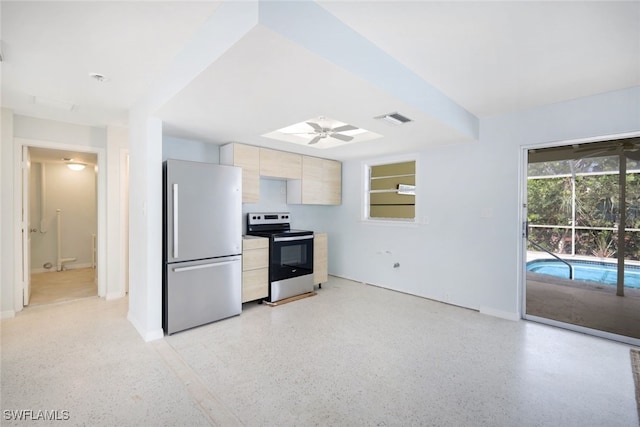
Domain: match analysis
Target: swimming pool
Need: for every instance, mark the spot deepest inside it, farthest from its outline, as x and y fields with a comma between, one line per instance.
x=589, y=271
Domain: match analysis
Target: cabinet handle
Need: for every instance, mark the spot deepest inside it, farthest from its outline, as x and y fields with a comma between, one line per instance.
x=293, y=238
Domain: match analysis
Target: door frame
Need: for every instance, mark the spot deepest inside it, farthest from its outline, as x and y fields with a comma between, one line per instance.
x=25, y=224
x=522, y=216
x=101, y=211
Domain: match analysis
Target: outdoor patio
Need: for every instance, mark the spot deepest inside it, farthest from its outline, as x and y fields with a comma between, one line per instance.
x=588, y=304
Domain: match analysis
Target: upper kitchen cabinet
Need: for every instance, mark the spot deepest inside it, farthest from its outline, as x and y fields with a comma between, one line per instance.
x=280, y=164
x=321, y=183
x=248, y=158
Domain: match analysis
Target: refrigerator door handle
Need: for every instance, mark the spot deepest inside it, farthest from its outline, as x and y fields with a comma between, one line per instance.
x=175, y=220
x=213, y=264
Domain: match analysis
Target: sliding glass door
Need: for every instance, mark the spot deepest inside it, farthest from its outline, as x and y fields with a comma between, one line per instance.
x=583, y=237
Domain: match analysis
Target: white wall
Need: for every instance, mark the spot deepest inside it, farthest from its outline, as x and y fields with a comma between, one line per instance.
x=186, y=149
x=469, y=252
x=74, y=194
x=65, y=133
x=145, y=222
x=7, y=241
x=117, y=211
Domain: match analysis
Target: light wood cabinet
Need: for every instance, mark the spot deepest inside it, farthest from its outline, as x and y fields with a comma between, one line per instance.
x=248, y=158
x=280, y=164
x=321, y=183
x=310, y=180
x=255, y=268
x=320, y=258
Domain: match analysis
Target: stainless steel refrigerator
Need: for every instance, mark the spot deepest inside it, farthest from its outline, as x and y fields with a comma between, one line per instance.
x=202, y=244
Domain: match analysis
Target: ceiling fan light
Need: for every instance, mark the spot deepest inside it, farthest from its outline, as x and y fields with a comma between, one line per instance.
x=76, y=166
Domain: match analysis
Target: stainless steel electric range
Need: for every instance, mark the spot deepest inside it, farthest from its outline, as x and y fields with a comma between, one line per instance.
x=290, y=254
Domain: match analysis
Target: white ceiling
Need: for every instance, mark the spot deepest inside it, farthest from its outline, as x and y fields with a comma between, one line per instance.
x=487, y=57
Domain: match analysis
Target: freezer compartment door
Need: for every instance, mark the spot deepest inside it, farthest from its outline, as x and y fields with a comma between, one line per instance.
x=201, y=292
x=203, y=210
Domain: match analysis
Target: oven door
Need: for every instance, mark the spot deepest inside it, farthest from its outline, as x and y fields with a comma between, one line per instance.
x=291, y=256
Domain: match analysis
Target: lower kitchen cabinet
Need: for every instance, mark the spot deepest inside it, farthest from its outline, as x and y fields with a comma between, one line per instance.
x=255, y=268
x=320, y=259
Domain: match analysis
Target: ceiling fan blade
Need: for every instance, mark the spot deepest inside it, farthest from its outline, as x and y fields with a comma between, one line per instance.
x=315, y=140
x=315, y=126
x=341, y=137
x=343, y=128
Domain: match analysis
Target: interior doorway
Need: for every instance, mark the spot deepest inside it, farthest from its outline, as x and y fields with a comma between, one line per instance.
x=582, y=237
x=61, y=212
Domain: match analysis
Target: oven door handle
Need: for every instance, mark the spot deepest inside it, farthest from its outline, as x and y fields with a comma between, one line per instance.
x=292, y=238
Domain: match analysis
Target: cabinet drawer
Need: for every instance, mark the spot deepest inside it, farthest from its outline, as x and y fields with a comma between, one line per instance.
x=255, y=243
x=255, y=284
x=255, y=258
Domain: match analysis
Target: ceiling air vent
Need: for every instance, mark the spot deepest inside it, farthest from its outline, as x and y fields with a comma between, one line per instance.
x=394, y=118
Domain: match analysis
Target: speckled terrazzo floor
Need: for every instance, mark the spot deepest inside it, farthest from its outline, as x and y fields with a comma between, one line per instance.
x=84, y=357
x=351, y=355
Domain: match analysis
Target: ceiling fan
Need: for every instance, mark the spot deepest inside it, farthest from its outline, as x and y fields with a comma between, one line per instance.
x=324, y=132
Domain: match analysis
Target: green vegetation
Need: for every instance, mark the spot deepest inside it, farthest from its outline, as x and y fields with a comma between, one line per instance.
x=551, y=204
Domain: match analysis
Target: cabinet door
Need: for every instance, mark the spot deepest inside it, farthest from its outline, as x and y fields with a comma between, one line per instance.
x=248, y=158
x=320, y=261
x=332, y=179
x=280, y=164
x=313, y=192
x=321, y=181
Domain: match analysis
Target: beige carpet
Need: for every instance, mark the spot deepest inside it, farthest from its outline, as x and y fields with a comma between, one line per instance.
x=54, y=287
x=635, y=367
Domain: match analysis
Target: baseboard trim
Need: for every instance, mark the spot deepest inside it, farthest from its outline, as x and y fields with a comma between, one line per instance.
x=146, y=335
x=507, y=315
x=428, y=297
x=115, y=295
x=7, y=314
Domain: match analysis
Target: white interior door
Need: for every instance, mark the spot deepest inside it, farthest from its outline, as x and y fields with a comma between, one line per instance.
x=26, y=226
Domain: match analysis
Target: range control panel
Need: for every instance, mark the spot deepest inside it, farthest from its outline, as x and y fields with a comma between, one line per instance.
x=263, y=218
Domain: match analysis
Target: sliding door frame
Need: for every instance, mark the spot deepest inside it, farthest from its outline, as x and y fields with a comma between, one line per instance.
x=522, y=273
